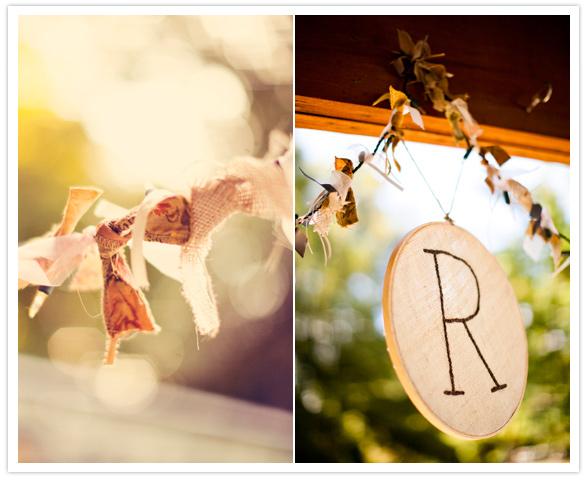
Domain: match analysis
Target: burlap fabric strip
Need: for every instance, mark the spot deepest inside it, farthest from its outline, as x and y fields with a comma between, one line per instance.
x=250, y=186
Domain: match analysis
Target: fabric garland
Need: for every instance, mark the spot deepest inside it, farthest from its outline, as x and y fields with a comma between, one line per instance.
x=259, y=187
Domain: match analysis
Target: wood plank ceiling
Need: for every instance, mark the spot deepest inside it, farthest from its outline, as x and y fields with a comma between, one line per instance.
x=343, y=64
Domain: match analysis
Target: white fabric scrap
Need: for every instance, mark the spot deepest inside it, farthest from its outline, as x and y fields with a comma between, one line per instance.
x=137, y=260
x=415, y=114
x=385, y=176
x=533, y=246
x=64, y=253
x=107, y=210
x=165, y=257
x=341, y=182
x=373, y=161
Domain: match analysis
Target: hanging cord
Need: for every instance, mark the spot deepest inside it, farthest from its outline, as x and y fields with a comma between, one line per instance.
x=381, y=139
x=446, y=214
x=457, y=185
x=308, y=216
x=565, y=238
x=423, y=177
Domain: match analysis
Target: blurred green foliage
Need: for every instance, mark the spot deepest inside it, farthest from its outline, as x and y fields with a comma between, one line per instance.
x=350, y=405
x=50, y=154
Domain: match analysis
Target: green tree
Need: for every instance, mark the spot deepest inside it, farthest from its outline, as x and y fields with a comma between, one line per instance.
x=350, y=405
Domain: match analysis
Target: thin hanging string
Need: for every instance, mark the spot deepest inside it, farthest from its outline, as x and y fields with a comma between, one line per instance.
x=423, y=177
x=84, y=305
x=71, y=273
x=446, y=214
x=456, y=187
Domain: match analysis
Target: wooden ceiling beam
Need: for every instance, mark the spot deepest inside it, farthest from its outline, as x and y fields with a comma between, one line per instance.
x=326, y=115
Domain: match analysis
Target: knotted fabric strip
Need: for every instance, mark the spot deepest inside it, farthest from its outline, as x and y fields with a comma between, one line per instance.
x=124, y=306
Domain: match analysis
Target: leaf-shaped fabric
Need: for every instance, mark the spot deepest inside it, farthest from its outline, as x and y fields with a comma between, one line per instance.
x=79, y=201
x=406, y=43
x=348, y=215
x=344, y=165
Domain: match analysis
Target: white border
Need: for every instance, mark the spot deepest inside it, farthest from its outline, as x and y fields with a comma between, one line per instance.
x=432, y=8
x=12, y=237
x=385, y=9
x=575, y=223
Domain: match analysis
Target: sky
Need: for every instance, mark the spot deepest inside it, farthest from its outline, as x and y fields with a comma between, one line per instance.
x=494, y=223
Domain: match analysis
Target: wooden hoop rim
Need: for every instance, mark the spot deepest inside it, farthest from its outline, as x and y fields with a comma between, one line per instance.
x=398, y=363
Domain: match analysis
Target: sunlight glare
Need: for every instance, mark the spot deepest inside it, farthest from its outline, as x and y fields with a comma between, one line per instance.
x=262, y=295
x=128, y=386
x=218, y=93
x=153, y=128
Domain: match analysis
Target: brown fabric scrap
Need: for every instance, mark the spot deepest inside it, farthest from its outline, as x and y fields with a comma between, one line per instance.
x=498, y=152
x=169, y=221
x=79, y=201
x=348, y=215
x=124, y=306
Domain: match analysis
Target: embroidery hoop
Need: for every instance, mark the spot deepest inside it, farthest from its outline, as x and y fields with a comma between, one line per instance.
x=476, y=392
